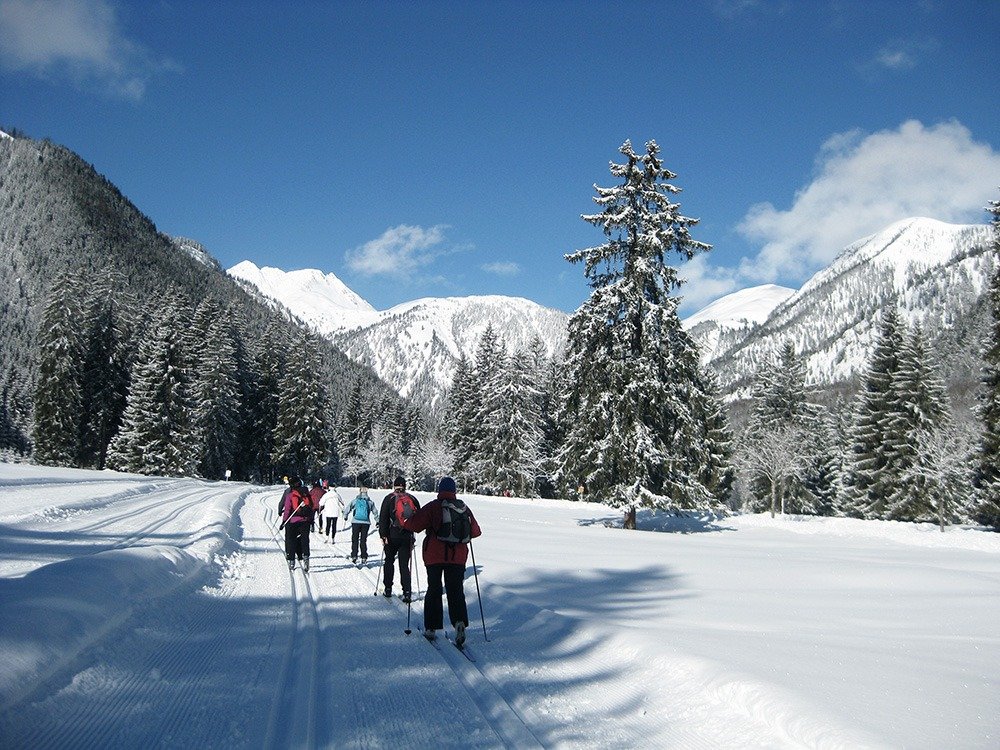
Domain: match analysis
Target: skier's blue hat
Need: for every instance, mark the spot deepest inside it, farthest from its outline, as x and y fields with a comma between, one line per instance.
x=447, y=484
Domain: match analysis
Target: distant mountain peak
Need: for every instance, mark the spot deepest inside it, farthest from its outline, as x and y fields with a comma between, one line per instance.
x=747, y=306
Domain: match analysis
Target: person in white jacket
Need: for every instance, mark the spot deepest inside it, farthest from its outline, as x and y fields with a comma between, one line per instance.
x=359, y=511
x=336, y=503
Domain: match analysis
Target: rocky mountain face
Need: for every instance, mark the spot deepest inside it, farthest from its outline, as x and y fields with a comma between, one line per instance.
x=934, y=273
x=413, y=346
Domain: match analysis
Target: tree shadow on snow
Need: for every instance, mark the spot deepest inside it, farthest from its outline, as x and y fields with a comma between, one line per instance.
x=664, y=521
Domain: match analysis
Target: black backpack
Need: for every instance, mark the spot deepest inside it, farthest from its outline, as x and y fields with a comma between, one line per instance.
x=456, y=523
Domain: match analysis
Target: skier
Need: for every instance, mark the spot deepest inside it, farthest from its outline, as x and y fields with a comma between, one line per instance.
x=448, y=521
x=316, y=495
x=396, y=540
x=333, y=515
x=360, y=512
x=297, y=515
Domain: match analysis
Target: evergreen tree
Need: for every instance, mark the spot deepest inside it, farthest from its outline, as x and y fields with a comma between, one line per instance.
x=106, y=365
x=781, y=403
x=302, y=441
x=869, y=480
x=461, y=429
x=157, y=434
x=635, y=430
x=216, y=392
x=58, y=396
x=515, y=429
x=919, y=409
x=988, y=470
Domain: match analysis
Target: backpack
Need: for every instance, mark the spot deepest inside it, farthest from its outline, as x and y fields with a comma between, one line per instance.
x=403, y=508
x=456, y=523
x=361, y=511
x=301, y=497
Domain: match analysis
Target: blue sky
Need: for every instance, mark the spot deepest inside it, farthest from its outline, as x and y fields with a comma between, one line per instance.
x=448, y=148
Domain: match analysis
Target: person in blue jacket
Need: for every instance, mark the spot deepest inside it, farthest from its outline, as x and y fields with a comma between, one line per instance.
x=359, y=512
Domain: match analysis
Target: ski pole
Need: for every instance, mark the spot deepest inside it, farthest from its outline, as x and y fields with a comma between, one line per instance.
x=409, y=603
x=475, y=573
x=381, y=565
x=301, y=503
x=416, y=566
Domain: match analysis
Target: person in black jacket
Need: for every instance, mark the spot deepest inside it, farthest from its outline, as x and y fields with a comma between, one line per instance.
x=397, y=540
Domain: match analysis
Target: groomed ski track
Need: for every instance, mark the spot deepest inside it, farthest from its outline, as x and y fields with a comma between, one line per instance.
x=217, y=644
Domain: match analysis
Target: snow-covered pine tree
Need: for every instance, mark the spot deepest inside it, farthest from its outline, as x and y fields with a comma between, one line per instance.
x=106, y=366
x=157, y=435
x=868, y=481
x=634, y=430
x=58, y=397
x=920, y=408
x=302, y=442
x=492, y=382
x=461, y=430
x=781, y=402
x=515, y=429
x=216, y=392
x=988, y=469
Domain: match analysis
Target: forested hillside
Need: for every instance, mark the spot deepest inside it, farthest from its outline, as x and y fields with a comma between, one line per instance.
x=60, y=219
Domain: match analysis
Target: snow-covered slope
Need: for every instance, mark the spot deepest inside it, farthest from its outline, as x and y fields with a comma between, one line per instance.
x=133, y=606
x=733, y=315
x=413, y=346
x=321, y=300
x=934, y=273
x=197, y=251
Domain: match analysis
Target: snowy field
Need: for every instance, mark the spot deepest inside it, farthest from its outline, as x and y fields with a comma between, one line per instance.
x=147, y=612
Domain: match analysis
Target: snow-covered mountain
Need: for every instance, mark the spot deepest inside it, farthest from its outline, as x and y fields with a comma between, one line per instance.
x=321, y=300
x=731, y=317
x=413, y=346
x=934, y=273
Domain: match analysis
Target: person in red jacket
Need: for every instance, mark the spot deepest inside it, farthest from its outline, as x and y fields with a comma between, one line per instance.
x=449, y=524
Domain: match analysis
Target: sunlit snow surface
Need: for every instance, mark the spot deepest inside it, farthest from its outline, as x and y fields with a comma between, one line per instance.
x=144, y=612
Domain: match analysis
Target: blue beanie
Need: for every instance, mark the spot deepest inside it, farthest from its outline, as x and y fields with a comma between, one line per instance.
x=447, y=484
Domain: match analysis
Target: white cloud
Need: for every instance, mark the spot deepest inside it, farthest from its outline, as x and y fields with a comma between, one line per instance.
x=76, y=39
x=502, y=269
x=864, y=183
x=400, y=251
x=704, y=283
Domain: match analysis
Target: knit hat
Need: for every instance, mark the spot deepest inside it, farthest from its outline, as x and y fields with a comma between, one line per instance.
x=447, y=484
x=399, y=482
x=294, y=481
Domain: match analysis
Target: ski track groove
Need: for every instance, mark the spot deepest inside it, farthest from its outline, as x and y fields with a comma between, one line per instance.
x=506, y=722
x=103, y=724
x=301, y=655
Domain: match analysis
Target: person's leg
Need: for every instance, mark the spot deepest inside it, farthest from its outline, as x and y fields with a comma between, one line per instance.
x=454, y=580
x=304, y=537
x=433, y=607
x=405, y=550
x=289, y=544
x=355, y=536
x=390, y=559
x=364, y=540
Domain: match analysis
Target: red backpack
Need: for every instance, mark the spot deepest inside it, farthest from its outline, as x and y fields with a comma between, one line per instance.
x=403, y=508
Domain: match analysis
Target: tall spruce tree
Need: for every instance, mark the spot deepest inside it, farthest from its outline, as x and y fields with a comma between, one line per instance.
x=634, y=416
x=869, y=480
x=106, y=365
x=988, y=469
x=920, y=407
x=157, y=433
x=302, y=441
x=460, y=419
x=216, y=393
x=58, y=395
x=782, y=407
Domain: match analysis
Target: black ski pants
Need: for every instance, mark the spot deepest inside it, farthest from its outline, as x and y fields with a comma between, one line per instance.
x=296, y=540
x=454, y=577
x=359, y=538
x=402, y=547
x=331, y=527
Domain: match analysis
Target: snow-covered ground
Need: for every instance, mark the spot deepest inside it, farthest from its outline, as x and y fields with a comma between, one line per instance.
x=147, y=612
